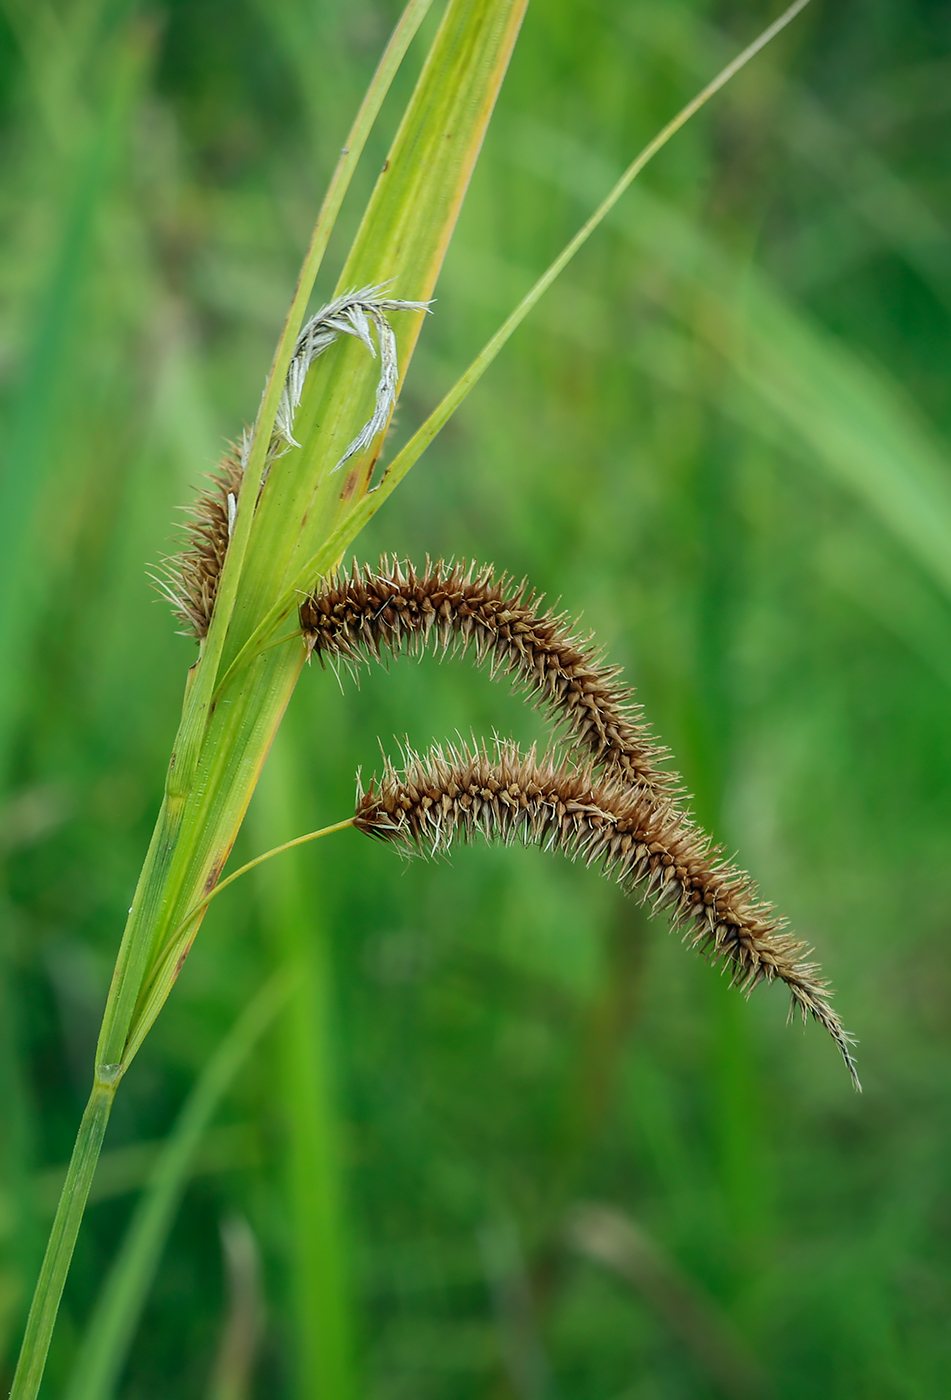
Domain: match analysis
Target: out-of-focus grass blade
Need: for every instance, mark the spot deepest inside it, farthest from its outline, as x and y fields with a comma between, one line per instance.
x=54, y=50
x=25, y=482
x=620, y=1244
x=861, y=184
x=46, y=366
x=856, y=420
x=897, y=598
x=232, y=1375
x=109, y=1333
x=128, y=1169
x=306, y=1094
x=850, y=414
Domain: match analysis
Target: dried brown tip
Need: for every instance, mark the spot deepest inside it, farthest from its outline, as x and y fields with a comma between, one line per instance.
x=372, y=614
x=190, y=580
x=648, y=846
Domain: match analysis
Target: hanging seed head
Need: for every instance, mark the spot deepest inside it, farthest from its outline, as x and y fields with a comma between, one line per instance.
x=372, y=614
x=648, y=846
x=619, y=810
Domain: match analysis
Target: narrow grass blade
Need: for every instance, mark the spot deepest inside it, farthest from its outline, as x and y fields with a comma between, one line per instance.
x=46, y=366
x=307, y=1092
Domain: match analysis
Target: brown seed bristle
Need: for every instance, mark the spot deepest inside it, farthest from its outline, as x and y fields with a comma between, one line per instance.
x=374, y=613
x=190, y=579
x=647, y=845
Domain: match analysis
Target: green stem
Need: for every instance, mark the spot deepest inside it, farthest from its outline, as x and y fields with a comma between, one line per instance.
x=119, y=1307
x=89, y=1139
x=175, y=873
x=258, y=860
x=62, y=1241
x=179, y=871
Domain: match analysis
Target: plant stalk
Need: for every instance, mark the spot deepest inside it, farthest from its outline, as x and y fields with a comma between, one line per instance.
x=62, y=1241
x=122, y=1298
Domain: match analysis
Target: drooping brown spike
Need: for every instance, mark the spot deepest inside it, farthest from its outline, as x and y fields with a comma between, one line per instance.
x=648, y=846
x=375, y=613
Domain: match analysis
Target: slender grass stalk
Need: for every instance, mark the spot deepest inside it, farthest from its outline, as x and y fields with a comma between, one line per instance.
x=111, y=1328
x=199, y=909
x=59, y=1251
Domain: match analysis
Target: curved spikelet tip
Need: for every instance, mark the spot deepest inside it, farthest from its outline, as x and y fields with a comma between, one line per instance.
x=458, y=792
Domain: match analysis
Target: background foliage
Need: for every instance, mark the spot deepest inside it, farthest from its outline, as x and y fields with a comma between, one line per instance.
x=723, y=438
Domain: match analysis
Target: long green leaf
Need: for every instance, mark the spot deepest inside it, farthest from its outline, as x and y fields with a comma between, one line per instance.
x=849, y=417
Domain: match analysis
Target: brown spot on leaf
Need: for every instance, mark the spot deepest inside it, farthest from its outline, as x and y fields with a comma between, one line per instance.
x=213, y=875
x=181, y=961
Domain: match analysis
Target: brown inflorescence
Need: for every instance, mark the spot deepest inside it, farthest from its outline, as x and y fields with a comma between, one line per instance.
x=374, y=613
x=190, y=580
x=647, y=845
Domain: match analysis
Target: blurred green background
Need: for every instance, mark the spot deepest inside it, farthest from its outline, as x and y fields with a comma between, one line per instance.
x=507, y=1139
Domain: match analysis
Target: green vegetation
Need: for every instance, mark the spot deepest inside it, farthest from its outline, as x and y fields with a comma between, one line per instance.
x=503, y=1138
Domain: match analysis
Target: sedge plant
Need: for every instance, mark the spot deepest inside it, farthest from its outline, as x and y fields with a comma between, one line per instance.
x=258, y=587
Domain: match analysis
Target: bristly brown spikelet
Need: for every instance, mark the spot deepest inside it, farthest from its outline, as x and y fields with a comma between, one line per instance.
x=647, y=845
x=190, y=580
x=376, y=613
